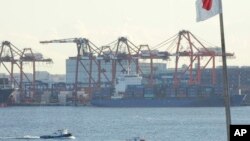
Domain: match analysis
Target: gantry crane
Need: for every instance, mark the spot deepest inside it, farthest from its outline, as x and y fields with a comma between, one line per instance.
x=195, y=51
x=104, y=55
x=84, y=48
x=123, y=49
x=28, y=55
x=185, y=44
x=9, y=54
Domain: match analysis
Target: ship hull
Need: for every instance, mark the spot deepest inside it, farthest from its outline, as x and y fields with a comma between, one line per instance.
x=211, y=101
x=4, y=95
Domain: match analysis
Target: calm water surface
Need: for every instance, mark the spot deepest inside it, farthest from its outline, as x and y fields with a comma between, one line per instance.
x=119, y=124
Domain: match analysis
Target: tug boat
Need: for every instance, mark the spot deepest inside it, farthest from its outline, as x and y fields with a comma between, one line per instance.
x=64, y=134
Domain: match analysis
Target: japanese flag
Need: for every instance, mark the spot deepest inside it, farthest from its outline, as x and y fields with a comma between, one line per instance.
x=207, y=8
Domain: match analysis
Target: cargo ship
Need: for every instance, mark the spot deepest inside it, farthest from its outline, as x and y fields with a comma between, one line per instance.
x=5, y=91
x=130, y=92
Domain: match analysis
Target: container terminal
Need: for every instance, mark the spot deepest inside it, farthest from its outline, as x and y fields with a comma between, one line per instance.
x=123, y=70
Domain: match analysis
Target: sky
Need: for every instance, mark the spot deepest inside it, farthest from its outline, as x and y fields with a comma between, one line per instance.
x=26, y=22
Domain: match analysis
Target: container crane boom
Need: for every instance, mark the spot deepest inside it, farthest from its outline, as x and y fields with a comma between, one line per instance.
x=70, y=40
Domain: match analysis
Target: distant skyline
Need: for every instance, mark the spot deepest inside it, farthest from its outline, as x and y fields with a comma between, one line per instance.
x=24, y=23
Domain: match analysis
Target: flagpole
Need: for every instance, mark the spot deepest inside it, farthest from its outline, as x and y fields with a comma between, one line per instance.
x=225, y=78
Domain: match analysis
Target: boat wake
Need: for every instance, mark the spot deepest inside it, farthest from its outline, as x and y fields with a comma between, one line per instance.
x=24, y=137
x=60, y=134
x=29, y=137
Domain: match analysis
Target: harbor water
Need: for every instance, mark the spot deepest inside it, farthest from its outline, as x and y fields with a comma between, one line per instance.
x=119, y=124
